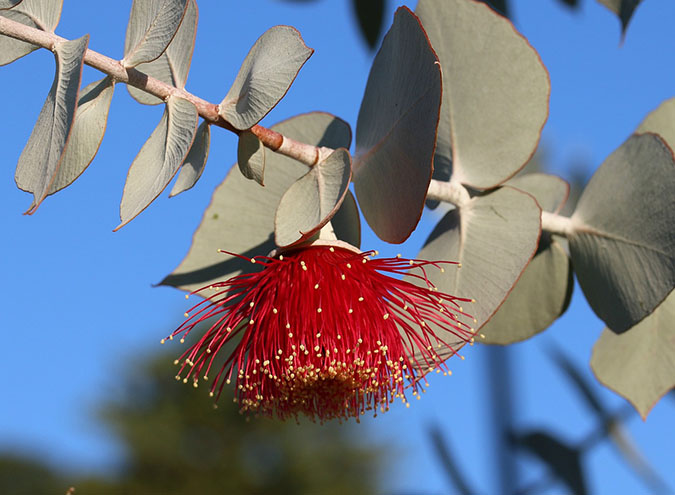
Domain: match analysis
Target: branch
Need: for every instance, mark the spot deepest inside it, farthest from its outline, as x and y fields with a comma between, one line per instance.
x=305, y=153
x=450, y=192
x=455, y=193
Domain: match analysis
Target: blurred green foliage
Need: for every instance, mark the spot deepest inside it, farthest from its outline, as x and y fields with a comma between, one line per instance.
x=178, y=443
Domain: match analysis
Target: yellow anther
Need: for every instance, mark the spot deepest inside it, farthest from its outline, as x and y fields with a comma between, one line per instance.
x=186, y=315
x=182, y=341
x=162, y=341
x=331, y=249
x=318, y=310
x=360, y=299
x=274, y=310
x=187, y=296
x=252, y=260
x=316, y=286
x=281, y=257
x=350, y=311
x=349, y=265
x=251, y=322
x=386, y=315
x=343, y=276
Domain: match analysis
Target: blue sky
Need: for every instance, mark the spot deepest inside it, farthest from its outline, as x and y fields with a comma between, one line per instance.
x=77, y=300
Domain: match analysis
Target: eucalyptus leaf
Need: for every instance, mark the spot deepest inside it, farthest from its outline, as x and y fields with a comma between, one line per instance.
x=41, y=158
x=622, y=8
x=251, y=157
x=662, y=122
x=240, y=217
x=550, y=191
x=494, y=236
x=495, y=92
x=173, y=65
x=347, y=222
x=87, y=134
x=540, y=296
x=563, y=460
x=396, y=130
x=267, y=72
x=313, y=200
x=152, y=26
x=639, y=364
x=544, y=289
x=193, y=166
x=8, y=4
x=370, y=16
x=39, y=14
x=623, y=244
x=159, y=158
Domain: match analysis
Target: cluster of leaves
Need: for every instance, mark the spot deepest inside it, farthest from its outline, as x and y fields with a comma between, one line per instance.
x=564, y=458
x=176, y=443
x=461, y=118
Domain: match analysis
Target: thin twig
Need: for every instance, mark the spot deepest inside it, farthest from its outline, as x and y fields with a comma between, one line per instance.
x=305, y=153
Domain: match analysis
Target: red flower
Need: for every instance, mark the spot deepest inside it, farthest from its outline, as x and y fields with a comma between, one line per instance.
x=325, y=331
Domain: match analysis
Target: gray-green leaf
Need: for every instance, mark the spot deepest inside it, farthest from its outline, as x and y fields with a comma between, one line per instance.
x=41, y=158
x=240, y=218
x=88, y=130
x=347, y=222
x=396, y=130
x=662, y=122
x=265, y=76
x=40, y=14
x=622, y=8
x=159, y=158
x=495, y=92
x=8, y=4
x=313, y=199
x=173, y=65
x=494, y=237
x=623, y=245
x=563, y=460
x=639, y=364
x=152, y=26
x=543, y=291
x=251, y=157
x=193, y=166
